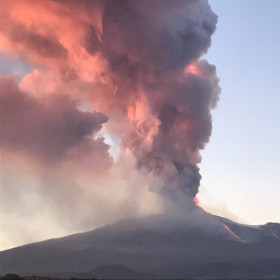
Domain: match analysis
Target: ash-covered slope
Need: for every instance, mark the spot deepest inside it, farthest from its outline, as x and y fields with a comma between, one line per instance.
x=200, y=245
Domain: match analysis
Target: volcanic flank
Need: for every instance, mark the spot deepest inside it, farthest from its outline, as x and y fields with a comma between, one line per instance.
x=157, y=246
x=124, y=74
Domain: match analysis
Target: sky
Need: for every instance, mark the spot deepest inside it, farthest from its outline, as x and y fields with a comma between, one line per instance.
x=240, y=166
x=66, y=185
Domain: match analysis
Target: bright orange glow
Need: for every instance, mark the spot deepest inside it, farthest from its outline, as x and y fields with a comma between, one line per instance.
x=196, y=201
x=231, y=232
x=193, y=69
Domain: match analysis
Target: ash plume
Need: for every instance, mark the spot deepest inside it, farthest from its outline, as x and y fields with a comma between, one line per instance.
x=48, y=129
x=135, y=64
x=148, y=45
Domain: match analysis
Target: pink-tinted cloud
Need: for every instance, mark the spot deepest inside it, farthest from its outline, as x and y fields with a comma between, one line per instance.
x=136, y=65
x=49, y=128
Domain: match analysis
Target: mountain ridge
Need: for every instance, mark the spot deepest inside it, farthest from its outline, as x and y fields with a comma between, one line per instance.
x=158, y=245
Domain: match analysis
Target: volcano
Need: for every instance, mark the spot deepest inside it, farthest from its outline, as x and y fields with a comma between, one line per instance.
x=199, y=245
x=118, y=105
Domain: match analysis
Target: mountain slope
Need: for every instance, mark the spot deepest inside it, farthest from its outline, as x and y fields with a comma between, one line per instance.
x=198, y=245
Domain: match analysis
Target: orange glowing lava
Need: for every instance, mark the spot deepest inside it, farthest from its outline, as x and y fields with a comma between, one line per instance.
x=196, y=201
x=231, y=232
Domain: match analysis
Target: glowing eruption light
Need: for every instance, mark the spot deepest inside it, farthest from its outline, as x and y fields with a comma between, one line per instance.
x=232, y=233
x=193, y=69
x=196, y=201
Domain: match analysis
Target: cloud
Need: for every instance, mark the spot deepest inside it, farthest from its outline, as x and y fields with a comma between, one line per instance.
x=48, y=128
x=135, y=66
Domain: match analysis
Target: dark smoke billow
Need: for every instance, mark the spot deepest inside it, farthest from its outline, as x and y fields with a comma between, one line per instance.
x=135, y=67
x=149, y=46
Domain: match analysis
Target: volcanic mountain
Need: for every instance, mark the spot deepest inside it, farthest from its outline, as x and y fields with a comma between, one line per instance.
x=198, y=245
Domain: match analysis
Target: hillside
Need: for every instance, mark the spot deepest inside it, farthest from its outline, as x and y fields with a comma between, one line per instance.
x=201, y=245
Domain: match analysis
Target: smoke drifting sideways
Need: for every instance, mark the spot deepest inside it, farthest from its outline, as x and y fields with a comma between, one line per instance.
x=135, y=66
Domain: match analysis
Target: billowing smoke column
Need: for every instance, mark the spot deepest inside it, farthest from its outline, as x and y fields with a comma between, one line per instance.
x=135, y=62
x=152, y=49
